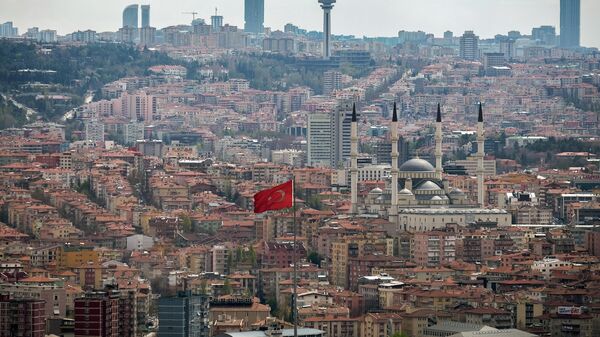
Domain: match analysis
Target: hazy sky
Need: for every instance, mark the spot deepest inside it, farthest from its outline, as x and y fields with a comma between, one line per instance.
x=358, y=17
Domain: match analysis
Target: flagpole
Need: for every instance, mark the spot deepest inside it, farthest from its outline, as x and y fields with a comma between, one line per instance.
x=294, y=281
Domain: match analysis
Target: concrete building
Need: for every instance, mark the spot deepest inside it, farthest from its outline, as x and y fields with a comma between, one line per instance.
x=216, y=22
x=47, y=36
x=469, y=49
x=434, y=248
x=22, y=317
x=94, y=131
x=545, y=34
x=97, y=314
x=7, y=30
x=329, y=137
x=493, y=60
x=332, y=81
x=327, y=6
x=570, y=12
x=87, y=36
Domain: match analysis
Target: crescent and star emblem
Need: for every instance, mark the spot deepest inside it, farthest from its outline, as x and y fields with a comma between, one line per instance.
x=278, y=196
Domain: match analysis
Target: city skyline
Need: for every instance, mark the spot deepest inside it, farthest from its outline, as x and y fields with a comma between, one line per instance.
x=64, y=16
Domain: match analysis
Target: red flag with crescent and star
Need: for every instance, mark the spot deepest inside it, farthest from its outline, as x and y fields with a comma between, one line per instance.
x=278, y=197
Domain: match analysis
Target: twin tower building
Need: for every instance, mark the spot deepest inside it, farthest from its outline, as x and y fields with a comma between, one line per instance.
x=417, y=194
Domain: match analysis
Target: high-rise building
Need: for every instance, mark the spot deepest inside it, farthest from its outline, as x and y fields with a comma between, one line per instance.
x=493, y=60
x=94, y=131
x=97, y=314
x=332, y=81
x=7, y=30
x=570, y=12
x=183, y=315
x=130, y=16
x=147, y=36
x=329, y=137
x=140, y=106
x=469, y=46
x=254, y=14
x=507, y=48
x=22, y=317
x=544, y=34
x=33, y=33
x=384, y=150
x=145, y=16
x=216, y=22
x=84, y=36
x=47, y=36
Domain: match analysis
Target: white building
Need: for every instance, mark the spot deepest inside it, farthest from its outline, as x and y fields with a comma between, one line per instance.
x=139, y=242
x=94, y=131
x=546, y=265
x=288, y=157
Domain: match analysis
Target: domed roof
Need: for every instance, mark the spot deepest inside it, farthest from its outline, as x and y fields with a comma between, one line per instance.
x=436, y=198
x=428, y=186
x=405, y=191
x=376, y=190
x=417, y=165
x=457, y=191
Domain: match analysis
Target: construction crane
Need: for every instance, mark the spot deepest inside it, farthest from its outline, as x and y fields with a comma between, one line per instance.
x=193, y=14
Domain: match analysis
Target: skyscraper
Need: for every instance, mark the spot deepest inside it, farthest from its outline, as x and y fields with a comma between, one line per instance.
x=329, y=137
x=130, y=16
x=570, y=11
x=145, y=16
x=254, y=14
x=469, y=49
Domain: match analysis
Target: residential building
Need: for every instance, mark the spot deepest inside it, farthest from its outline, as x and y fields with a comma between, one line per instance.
x=22, y=317
x=469, y=49
x=332, y=81
x=433, y=248
x=97, y=315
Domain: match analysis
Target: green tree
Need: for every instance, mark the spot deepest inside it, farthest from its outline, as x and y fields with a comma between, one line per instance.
x=399, y=334
x=315, y=258
x=227, y=290
x=186, y=223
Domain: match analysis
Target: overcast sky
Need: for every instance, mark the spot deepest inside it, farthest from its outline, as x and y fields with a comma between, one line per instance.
x=358, y=17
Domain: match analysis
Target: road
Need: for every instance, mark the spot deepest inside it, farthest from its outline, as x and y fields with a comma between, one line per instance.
x=30, y=113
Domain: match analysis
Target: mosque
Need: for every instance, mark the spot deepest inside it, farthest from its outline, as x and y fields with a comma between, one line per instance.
x=417, y=197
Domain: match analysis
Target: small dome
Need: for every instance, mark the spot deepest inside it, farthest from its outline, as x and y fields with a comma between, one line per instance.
x=436, y=198
x=376, y=190
x=457, y=191
x=417, y=165
x=428, y=186
x=405, y=191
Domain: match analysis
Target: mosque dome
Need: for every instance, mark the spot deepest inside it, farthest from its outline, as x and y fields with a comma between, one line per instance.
x=456, y=191
x=417, y=165
x=405, y=191
x=376, y=190
x=428, y=186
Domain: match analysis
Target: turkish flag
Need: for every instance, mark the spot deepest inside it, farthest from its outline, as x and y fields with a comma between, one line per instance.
x=278, y=197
